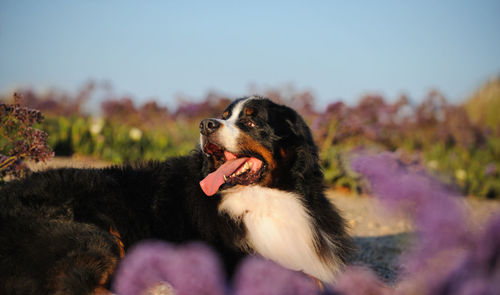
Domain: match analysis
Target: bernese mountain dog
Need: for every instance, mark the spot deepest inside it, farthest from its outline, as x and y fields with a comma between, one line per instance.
x=254, y=186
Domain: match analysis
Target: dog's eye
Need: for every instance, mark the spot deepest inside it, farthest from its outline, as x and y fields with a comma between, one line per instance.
x=249, y=123
x=225, y=115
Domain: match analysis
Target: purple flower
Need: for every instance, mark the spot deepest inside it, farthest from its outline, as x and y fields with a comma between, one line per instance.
x=490, y=169
x=189, y=269
x=21, y=140
x=436, y=213
x=479, y=270
x=446, y=257
x=259, y=276
x=194, y=269
x=360, y=280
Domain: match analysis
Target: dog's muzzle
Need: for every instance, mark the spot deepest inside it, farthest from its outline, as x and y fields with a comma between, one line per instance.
x=209, y=126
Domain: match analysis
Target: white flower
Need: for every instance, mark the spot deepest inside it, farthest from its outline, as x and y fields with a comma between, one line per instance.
x=460, y=174
x=96, y=125
x=433, y=164
x=135, y=134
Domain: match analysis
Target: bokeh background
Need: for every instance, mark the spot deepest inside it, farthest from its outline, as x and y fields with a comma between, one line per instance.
x=128, y=80
x=398, y=94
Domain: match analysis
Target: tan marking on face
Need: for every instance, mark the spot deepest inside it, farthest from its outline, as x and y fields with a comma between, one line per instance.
x=251, y=144
x=249, y=111
x=283, y=153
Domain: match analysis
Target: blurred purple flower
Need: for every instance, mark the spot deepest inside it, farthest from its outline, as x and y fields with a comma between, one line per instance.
x=191, y=109
x=446, y=258
x=359, y=280
x=194, y=269
x=189, y=269
x=479, y=271
x=259, y=276
x=490, y=169
x=433, y=207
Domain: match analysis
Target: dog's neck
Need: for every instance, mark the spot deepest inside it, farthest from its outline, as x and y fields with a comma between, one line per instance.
x=280, y=228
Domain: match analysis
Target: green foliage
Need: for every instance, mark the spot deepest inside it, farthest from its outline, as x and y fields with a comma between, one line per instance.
x=460, y=144
x=475, y=170
x=336, y=168
x=115, y=142
x=484, y=106
x=472, y=167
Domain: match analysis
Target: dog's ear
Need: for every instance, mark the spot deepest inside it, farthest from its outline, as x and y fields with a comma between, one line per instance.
x=306, y=164
x=290, y=127
x=297, y=141
x=287, y=123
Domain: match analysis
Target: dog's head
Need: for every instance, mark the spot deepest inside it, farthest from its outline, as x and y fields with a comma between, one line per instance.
x=256, y=142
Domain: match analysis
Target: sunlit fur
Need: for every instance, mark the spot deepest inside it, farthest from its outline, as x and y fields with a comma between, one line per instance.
x=280, y=228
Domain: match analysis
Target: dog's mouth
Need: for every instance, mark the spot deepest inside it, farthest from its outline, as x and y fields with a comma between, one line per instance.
x=234, y=169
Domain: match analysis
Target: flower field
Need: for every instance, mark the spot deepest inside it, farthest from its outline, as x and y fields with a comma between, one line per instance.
x=454, y=142
x=416, y=159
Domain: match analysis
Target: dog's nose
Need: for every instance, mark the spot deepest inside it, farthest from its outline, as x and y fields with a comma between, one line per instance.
x=209, y=126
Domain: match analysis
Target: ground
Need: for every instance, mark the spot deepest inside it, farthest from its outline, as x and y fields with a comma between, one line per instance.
x=380, y=236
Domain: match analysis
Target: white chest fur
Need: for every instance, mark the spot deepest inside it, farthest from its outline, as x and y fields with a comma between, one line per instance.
x=278, y=228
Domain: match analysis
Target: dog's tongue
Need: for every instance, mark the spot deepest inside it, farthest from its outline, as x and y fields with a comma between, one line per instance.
x=210, y=184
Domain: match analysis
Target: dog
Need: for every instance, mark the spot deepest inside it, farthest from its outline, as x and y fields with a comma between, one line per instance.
x=253, y=186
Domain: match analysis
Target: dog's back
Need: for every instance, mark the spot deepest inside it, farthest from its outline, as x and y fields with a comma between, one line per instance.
x=66, y=229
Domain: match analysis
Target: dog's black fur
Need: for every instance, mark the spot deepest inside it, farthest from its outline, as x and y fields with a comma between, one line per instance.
x=62, y=230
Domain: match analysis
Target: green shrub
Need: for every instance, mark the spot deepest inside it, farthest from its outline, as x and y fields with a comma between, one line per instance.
x=474, y=170
x=117, y=143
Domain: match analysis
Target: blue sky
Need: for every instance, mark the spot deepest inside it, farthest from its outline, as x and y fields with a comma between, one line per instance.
x=338, y=49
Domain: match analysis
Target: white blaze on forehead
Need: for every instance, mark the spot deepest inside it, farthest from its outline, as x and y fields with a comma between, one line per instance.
x=235, y=114
x=229, y=132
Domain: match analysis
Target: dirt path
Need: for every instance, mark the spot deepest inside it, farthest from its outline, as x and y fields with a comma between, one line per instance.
x=381, y=237
x=73, y=162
